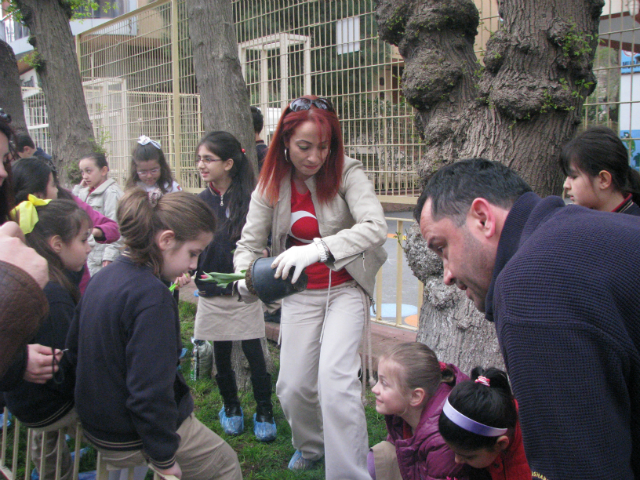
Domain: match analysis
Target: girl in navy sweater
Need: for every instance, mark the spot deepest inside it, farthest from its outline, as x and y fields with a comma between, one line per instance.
x=599, y=176
x=221, y=316
x=134, y=404
x=59, y=231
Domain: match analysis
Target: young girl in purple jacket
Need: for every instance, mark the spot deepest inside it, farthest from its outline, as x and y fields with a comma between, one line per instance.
x=411, y=391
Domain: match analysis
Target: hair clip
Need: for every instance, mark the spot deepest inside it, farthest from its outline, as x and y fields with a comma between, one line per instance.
x=243, y=150
x=483, y=380
x=144, y=140
x=154, y=196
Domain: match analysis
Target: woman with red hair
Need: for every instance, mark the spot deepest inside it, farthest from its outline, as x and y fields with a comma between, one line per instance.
x=323, y=215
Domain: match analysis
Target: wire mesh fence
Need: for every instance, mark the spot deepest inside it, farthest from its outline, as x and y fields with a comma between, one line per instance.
x=139, y=79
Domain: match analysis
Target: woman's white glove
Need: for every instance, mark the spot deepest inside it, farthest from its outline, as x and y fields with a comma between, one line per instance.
x=298, y=257
x=245, y=294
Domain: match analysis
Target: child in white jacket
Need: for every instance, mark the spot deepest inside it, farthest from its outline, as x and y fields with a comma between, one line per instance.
x=102, y=194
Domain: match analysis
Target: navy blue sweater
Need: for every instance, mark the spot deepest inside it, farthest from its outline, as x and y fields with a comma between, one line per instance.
x=125, y=339
x=218, y=256
x=565, y=298
x=35, y=404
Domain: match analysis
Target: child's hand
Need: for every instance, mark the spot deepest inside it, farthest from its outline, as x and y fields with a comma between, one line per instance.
x=182, y=281
x=175, y=470
x=106, y=262
x=40, y=365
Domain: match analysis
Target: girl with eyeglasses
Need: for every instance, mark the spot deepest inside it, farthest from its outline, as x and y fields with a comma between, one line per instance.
x=323, y=215
x=229, y=181
x=149, y=169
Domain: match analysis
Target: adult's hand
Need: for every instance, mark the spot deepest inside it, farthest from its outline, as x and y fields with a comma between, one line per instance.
x=40, y=364
x=245, y=294
x=298, y=257
x=14, y=251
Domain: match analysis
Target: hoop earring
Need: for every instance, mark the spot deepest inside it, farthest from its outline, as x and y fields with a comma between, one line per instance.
x=286, y=155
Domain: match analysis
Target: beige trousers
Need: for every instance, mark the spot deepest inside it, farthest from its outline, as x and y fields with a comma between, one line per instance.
x=386, y=461
x=47, y=437
x=202, y=455
x=318, y=383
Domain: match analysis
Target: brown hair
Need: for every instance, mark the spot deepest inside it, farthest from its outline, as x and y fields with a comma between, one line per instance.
x=418, y=367
x=65, y=219
x=181, y=212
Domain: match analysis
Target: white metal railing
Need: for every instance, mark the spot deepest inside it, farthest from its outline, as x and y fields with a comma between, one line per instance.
x=385, y=277
x=12, y=462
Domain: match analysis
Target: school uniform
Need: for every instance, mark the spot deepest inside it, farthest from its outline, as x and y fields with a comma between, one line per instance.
x=132, y=400
x=48, y=407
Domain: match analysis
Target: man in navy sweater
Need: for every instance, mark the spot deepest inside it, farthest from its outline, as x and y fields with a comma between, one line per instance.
x=562, y=284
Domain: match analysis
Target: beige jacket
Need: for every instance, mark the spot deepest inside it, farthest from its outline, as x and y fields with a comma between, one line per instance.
x=352, y=225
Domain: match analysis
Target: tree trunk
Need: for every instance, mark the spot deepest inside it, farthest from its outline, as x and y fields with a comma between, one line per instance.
x=57, y=68
x=223, y=92
x=225, y=102
x=518, y=109
x=11, y=92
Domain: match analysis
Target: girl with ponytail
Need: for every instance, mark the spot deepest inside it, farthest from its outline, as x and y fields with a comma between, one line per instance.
x=599, y=176
x=479, y=422
x=411, y=390
x=133, y=402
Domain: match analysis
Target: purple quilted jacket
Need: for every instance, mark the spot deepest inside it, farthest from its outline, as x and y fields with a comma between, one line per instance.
x=425, y=456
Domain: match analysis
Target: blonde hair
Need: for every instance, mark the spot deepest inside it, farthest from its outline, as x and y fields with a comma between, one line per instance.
x=181, y=212
x=418, y=367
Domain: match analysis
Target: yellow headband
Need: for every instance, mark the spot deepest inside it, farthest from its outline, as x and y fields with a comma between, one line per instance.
x=27, y=213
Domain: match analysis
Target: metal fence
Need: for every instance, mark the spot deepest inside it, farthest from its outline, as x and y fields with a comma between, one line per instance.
x=139, y=79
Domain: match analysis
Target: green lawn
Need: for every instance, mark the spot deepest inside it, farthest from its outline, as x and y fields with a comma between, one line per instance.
x=258, y=460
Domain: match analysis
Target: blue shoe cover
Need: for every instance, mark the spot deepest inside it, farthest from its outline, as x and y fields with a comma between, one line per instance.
x=2, y=419
x=232, y=425
x=298, y=462
x=264, y=431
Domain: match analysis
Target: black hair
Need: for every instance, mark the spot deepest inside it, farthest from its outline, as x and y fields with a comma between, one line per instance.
x=493, y=406
x=144, y=153
x=65, y=219
x=597, y=149
x=226, y=146
x=99, y=158
x=258, y=119
x=22, y=140
x=30, y=176
x=6, y=190
x=453, y=188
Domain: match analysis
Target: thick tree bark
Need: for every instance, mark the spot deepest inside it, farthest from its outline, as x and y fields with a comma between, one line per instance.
x=223, y=92
x=10, y=90
x=225, y=101
x=519, y=108
x=57, y=68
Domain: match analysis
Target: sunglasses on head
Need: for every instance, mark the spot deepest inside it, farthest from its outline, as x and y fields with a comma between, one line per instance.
x=303, y=103
x=5, y=116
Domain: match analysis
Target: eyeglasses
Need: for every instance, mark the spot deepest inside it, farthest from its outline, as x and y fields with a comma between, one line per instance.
x=207, y=159
x=146, y=173
x=303, y=103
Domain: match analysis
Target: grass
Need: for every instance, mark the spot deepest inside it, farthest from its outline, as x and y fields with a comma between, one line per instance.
x=259, y=461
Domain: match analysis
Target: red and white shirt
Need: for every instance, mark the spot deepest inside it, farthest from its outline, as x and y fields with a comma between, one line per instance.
x=302, y=230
